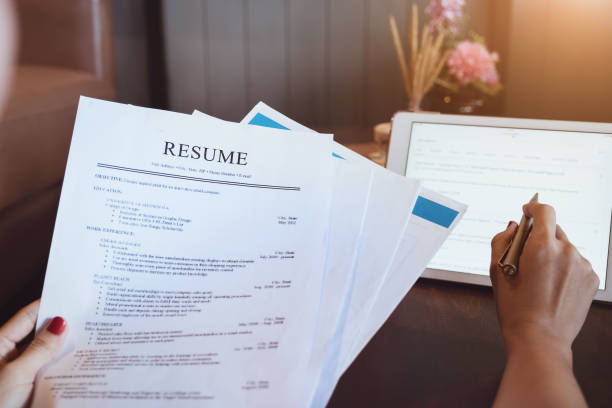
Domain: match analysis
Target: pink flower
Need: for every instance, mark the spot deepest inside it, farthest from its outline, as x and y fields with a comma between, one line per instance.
x=444, y=13
x=470, y=61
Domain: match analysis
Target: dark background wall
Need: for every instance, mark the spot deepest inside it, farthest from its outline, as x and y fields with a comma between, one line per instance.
x=330, y=64
x=130, y=21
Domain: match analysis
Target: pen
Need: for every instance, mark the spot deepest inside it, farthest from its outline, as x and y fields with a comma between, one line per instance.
x=509, y=262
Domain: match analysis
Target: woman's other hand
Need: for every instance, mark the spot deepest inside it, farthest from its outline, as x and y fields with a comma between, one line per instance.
x=18, y=370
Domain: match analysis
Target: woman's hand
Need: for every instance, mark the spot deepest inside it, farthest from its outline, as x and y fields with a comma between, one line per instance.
x=18, y=370
x=541, y=310
x=550, y=296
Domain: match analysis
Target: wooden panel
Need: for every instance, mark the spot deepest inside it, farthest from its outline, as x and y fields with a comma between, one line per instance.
x=576, y=80
x=130, y=37
x=498, y=34
x=227, y=58
x=267, y=74
x=185, y=54
x=347, y=52
x=384, y=87
x=559, y=62
x=307, y=61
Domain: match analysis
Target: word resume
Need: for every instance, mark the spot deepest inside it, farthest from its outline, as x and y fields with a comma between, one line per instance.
x=185, y=262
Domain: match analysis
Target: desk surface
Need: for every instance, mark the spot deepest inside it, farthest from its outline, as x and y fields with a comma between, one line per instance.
x=442, y=347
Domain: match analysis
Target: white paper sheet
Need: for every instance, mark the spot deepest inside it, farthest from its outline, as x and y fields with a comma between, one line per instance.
x=390, y=202
x=185, y=282
x=352, y=184
x=421, y=240
x=408, y=261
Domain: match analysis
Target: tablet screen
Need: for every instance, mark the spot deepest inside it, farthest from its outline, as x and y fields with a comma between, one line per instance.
x=496, y=170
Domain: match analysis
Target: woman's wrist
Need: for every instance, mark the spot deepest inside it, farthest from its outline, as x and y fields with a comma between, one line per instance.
x=538, y=371
x=538, y=343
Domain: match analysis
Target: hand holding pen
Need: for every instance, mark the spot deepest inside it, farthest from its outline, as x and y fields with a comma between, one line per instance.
x=541, y=309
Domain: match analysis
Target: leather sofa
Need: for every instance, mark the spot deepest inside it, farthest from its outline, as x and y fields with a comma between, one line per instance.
x=65, y=50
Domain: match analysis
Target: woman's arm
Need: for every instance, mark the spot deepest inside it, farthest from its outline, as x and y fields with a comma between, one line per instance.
x=541, y=310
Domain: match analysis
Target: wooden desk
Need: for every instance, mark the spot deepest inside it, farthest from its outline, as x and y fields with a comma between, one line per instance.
x=442, y=347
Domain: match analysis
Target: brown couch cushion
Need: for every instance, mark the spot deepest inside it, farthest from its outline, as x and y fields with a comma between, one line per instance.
x=35, y=131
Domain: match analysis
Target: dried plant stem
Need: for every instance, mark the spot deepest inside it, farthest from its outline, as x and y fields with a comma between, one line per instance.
x=438, y=69
x=426, y=59
x=414, y=36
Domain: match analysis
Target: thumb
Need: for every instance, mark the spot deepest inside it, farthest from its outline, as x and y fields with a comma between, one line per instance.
x=45, y=346
x=498, y=245
x=501, y=241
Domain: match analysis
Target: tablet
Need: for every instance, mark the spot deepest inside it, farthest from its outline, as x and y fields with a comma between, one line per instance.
x=495, y=165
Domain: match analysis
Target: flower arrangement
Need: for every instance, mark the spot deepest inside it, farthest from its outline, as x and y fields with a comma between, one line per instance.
x=442, y=56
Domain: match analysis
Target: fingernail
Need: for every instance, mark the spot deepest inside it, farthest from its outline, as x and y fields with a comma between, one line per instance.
x=509, y=224
x=57, y=326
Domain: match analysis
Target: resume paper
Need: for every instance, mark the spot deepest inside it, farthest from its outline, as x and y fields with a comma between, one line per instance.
x=200, y=262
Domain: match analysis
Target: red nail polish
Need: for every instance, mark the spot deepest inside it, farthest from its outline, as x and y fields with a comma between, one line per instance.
x=57, y=325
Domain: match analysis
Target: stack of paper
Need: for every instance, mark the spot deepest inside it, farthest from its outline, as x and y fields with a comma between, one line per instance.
x=205, y=263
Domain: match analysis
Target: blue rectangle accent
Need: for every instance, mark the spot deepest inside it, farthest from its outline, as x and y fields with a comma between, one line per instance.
x=434, y=212
x=262, y=120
